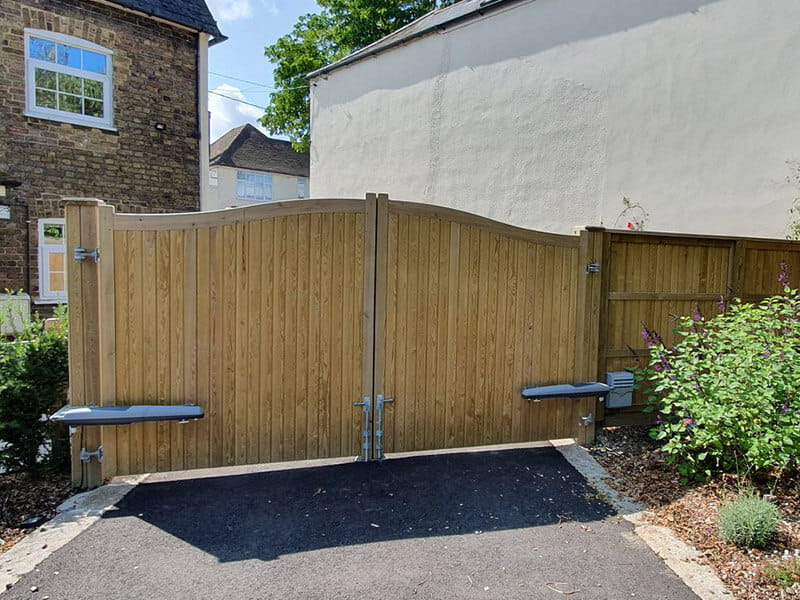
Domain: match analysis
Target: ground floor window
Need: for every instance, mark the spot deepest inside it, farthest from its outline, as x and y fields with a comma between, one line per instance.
x=255, y=187
x=52, y=260
x=302, y=187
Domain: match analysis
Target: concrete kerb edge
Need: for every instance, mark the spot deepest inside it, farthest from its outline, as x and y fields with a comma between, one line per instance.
x=677, y=555
x=75, y=515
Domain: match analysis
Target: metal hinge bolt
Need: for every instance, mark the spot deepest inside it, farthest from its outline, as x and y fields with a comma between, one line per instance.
x=82, y=254
x=586, y=420
x=86, y=456
x=593, y=267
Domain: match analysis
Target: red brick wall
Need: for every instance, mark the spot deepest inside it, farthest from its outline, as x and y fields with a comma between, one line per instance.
x=136, y=168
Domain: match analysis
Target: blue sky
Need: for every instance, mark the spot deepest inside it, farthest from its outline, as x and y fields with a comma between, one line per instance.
x=250, y=25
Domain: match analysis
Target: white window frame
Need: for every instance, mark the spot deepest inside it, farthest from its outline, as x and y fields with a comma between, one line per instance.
x=213, y=177
x=45, y=249
x=302, y=187
x=267, y=180
x=31, y=110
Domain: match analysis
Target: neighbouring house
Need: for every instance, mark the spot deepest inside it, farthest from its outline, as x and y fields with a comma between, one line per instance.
x=100, y=98
x=247, y=167
x=546, y=113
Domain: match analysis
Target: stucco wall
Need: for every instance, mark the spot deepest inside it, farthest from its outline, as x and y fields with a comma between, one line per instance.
x=545, y=114
x=223, y=195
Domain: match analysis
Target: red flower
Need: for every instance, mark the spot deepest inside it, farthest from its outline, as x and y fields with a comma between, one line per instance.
x=630, y=225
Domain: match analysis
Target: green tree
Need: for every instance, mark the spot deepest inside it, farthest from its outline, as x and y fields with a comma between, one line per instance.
x=342, y=27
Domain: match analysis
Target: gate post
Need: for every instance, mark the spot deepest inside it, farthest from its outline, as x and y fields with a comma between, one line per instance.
x=587, y=343
x=92, y=366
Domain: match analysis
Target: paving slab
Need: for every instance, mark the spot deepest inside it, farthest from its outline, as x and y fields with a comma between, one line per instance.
x=504, y=524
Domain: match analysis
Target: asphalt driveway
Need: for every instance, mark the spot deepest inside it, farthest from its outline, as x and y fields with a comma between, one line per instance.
x=500, y=524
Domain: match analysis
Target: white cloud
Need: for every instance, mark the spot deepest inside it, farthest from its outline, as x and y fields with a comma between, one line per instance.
x=227, y=114
x=230, y=10
x=271, y=7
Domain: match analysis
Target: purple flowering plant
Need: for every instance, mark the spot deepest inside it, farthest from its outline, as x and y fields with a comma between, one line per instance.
x=727, y=393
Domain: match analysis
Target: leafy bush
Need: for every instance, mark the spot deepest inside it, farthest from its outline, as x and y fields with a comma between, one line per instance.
x=728, y=392
x=748, y=521
x=33, y=383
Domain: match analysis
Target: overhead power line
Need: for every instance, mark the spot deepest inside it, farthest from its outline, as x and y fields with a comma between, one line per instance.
x=263, y=85
x=235, y=99
x=242, y=80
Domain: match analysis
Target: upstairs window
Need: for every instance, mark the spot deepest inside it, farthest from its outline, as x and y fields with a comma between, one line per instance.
x=254, y=187
x=67, y=79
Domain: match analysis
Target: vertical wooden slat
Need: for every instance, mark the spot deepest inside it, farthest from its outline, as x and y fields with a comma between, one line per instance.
x=176, y=358
x=203, y=346
x=147, y=434
x=190, y=372
x=253, y=319
x=163, y=349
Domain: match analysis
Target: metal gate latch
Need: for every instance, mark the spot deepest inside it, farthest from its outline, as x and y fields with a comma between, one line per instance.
x=587, y=420
x=82, y=254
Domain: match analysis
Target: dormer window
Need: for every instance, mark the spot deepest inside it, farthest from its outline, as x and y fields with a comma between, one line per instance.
x=67, y=79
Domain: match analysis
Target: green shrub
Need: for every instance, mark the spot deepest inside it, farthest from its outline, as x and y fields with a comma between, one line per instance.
x=728, y=393
x=748, y=521
x=33, y=384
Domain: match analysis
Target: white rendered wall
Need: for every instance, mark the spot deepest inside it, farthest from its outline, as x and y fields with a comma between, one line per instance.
x=223, y=195
x=546, y=113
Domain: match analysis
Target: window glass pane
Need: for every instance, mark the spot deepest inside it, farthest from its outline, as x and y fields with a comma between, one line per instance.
x=70, y=84
x=45, y=79
x=53, y=233
x=93, y=89
x=93, y=108
x=45, y=99
x=69, y=103
x=69, y=56
x=42, y=49
x=94, y=62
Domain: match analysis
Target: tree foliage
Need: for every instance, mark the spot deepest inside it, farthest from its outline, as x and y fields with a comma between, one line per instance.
x=342, y=27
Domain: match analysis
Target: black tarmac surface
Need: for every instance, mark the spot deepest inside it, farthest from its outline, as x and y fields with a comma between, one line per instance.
x=491, y=525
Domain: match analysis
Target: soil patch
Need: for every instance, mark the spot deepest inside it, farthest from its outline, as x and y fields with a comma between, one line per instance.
x=23, y=497
x=639, y=470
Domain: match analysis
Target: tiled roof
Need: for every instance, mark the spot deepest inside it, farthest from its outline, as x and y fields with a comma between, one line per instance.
x=245, y=147
x=191, y=13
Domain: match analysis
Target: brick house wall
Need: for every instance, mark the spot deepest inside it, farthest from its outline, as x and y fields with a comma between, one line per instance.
x=137, y=168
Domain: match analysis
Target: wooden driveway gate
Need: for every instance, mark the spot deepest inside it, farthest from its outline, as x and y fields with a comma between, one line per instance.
x=277, y=318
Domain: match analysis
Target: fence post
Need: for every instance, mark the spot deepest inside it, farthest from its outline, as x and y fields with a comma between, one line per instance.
x=92, y=365
x=587, y=343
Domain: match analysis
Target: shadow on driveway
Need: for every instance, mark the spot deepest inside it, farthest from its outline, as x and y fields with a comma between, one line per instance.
x=269, y=514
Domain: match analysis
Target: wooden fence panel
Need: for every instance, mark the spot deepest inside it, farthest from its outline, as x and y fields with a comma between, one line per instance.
x=469, y=312
x=651, y=278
